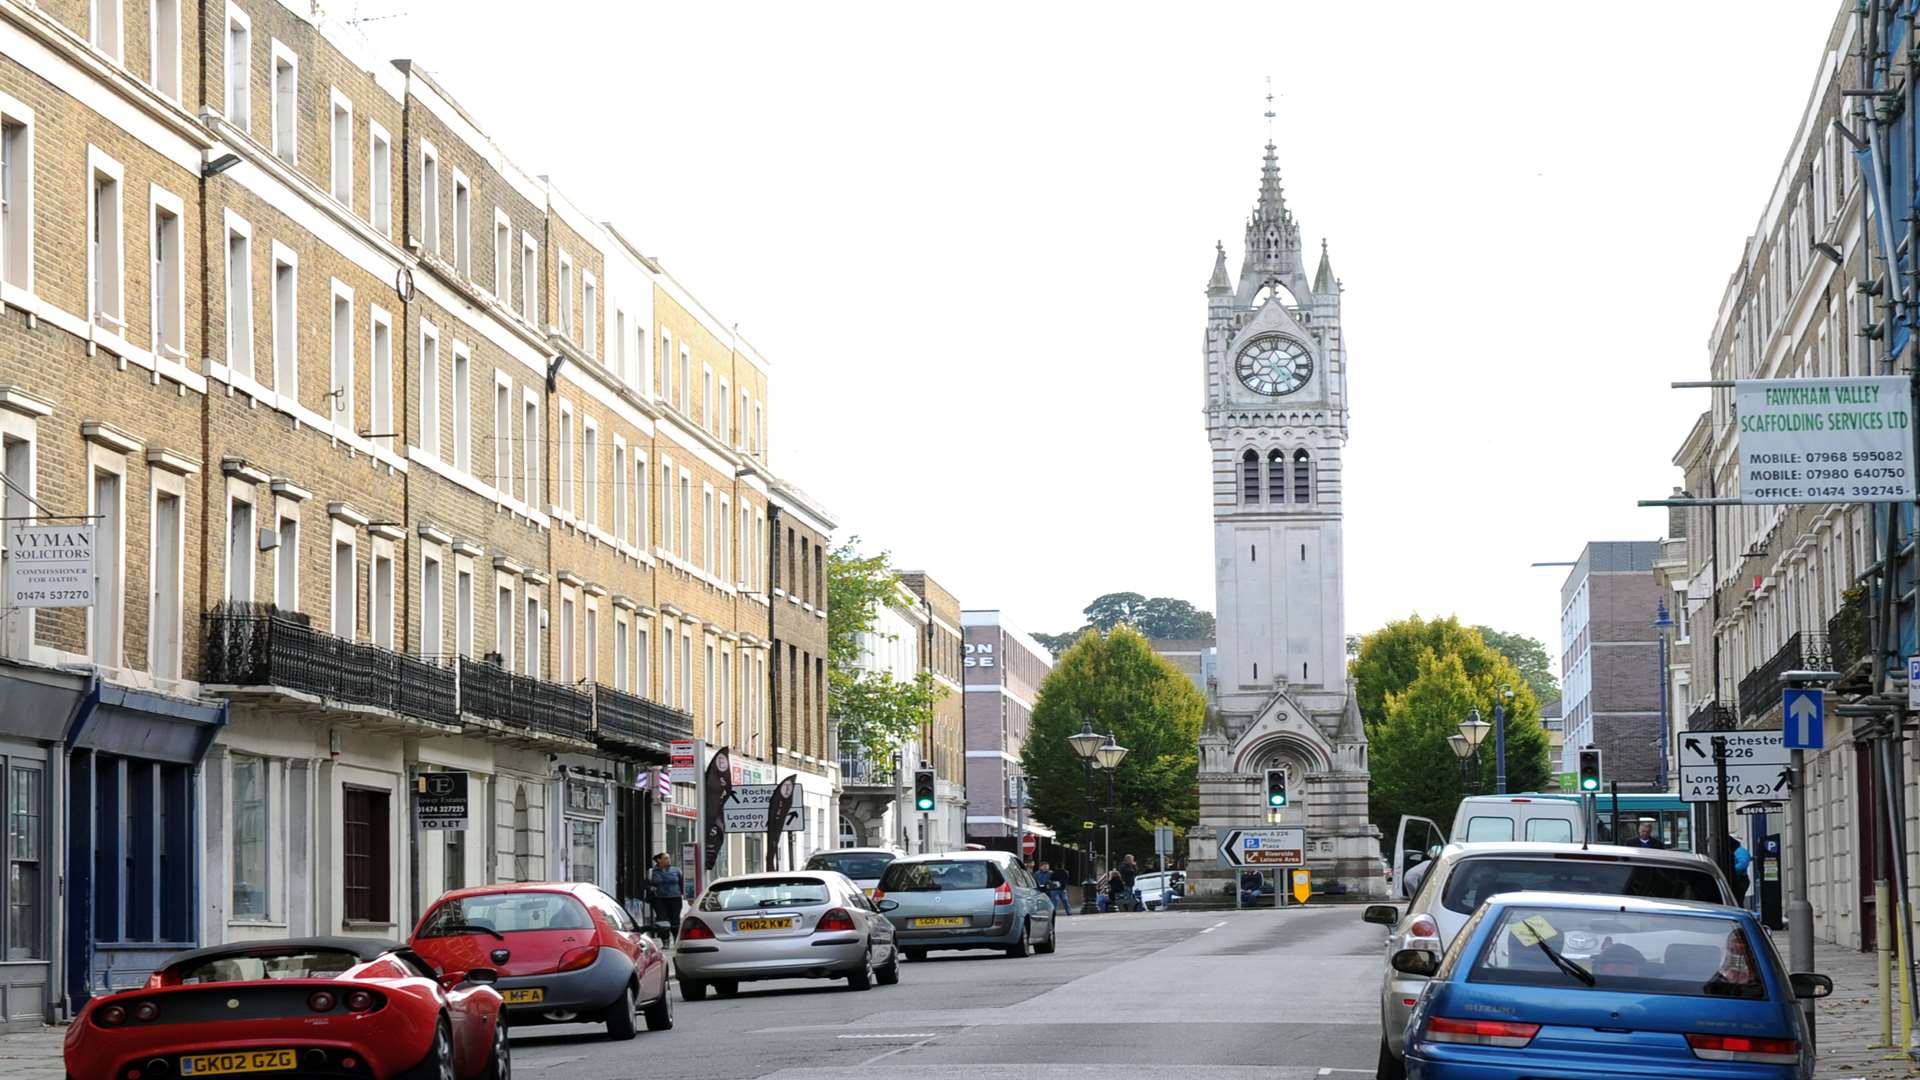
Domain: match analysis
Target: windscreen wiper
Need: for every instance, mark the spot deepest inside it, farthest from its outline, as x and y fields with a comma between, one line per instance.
x=1565, y=964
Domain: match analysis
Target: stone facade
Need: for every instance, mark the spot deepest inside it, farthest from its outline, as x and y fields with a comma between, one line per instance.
x=943, y=743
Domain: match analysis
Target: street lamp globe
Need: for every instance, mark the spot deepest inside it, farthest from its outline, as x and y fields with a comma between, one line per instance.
x=1086, y=743
x=1474, y=729
x=1110, y=753
x=1462, y=749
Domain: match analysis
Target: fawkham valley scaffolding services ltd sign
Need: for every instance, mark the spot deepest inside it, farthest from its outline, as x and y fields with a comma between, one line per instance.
x=50, y=565
x=1825, y=440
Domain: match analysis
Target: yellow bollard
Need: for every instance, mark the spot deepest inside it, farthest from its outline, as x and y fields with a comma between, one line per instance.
x=1883, y=949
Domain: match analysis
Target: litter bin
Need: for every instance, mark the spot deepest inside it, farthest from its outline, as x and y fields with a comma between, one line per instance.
x=1088, y=890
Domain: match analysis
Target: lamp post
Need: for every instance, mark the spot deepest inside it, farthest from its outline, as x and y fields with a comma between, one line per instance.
x=1663, y=622
x=1473, y=731
x=1500, y=739
x=1109, y=756
x=1463, y=750
x=1085, y=744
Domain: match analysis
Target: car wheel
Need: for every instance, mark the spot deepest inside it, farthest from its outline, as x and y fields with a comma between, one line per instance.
x=862, y=979
x=692, y=990
x=1024, y=947
x=889, y=974
x=1045, y=948
x=500, y=1062
x=727, y=987
x=620, y=1016
x=659, y=1012
x=439, y=1063
x=1390, y=1067
x=916, y=955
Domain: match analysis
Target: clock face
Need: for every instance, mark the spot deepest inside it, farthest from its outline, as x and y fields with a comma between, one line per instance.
x=1274, y=366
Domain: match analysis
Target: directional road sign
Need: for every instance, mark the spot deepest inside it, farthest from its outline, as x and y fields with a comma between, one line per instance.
x=1743, y=748
x=1806, y=718
x=746, y=809
x=1748, y=780
x=1281, y=846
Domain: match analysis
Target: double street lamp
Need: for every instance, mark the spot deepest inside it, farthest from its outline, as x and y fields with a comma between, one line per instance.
x=1094, y=749
x=1473, y=731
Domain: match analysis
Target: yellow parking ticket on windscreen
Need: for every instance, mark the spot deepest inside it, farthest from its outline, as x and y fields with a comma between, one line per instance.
x=1533, y=930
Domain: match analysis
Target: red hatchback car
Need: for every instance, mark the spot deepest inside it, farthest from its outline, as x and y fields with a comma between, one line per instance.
x=305, y=1008
x=564, y=952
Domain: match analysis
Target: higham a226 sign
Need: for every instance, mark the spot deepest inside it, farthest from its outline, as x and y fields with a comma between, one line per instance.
x=50, y=565
x=1825, y=440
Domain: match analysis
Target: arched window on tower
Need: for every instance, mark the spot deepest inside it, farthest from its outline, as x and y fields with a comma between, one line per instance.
x=1250, y=478
x=1302, y=477
x=1276, y=478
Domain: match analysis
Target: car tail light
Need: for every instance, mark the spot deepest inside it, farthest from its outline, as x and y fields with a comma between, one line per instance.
x=1423, y=926
x=575, y=959
x=1743, y=1048
x=112, y=1015
x=1003, y=894
x=146, y=1012
x=320, y=1001
x=878, y=894
x=695, y=930
x=837, y=919
x=1480, y=1032
x=359, y=1001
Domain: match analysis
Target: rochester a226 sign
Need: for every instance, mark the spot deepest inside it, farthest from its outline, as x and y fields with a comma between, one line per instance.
x=1825, y=440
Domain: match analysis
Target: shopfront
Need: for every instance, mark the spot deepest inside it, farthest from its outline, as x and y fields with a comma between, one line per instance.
x=36, y=704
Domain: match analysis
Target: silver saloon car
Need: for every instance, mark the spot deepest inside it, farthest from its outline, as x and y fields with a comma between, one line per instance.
x=791, y=925
x=966, y=900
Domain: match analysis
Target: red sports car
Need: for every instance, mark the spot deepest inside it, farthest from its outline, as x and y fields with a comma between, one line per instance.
x=305, y=1008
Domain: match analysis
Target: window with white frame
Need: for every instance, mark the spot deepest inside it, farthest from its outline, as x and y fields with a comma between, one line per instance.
x=530, y=450
x=706, y=527
x=105, y=243
x=589, y=317
x=642, y=661
x=722, y=521
x=166, y=574
x=530, y=625
x=109, y=566
x=286, y=564
x=641, y=538
x=167, y=309
x=462, y=408
x=565, y=299
x=380, y=372
x=620, y=344
x=107, y=31
x=619, y=486
x=529, y=278
x=683, y=387
x=566, y=636
x=565, y=437
x=239, y=551
x=286, y=97
x=706, y=397
x=503, y=436
x=739, y=423
x=344, y=587
x=621, y=643
x=759, y=550
x=286, y=326
x=745, y=576
x=252, y=813
x=667, y=681
x=756, y=429
x=686, y=669
x=591, y=640
x=429, y=389
x=239, y=296
x=379, y=179
x=667, y=535
x=684, y=548
x=239, y=69
x=164, y=45
x=340, y=167
x=503, y=619
x=430, y=601
x=502, y=256
x=380, y=593
x=721, y=429
x=462, y=226
x=463, y=608
x=590, y=474
x=340, y=381
x=16, y=194
x=429, y=199
x=666, y=365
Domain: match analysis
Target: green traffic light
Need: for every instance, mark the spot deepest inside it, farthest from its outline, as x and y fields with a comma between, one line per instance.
x=1589, y=784
x=1276, y=799
x=923, y=804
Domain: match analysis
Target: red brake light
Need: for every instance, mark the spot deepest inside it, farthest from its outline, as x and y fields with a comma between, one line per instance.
x=1742, y=1048
x=695, y=930
x=575, y=959
x=1480, y=1032
x=879, y=894
x=320, y=1001
x=112, y=1015
x=837, y=919
x=359, y=1001
x=146, y=1012
x=1423, y=926
x=1003, y=894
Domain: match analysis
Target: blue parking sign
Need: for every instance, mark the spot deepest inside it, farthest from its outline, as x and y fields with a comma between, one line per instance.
x=1805, y=715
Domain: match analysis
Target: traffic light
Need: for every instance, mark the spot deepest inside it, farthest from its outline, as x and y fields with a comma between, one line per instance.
x=923, y=790
x=1590, y=769
x=1276, y=788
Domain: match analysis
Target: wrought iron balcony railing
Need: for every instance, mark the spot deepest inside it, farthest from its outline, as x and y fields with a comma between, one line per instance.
x=259, y=645
x=626, y=718
x=521, y=702
x=1710, y=715
x=858, y=771
x=1761, y=689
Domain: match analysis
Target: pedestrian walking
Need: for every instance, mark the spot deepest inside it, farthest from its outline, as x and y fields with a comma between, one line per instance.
x=1129, y=871
x=1742, y=859
x=666, y=888
x=1054, y=889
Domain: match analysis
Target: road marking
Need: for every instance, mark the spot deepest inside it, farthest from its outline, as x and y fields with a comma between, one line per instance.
x=1214, y=927
x=882, y=1056
x=1356, y=1072
x=900, y=1035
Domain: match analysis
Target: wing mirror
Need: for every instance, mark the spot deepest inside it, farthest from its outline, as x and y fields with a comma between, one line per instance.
x=1808, y=985
x=1384, y=914
x=885, y=904
x=1415, y=962
x=481, y=976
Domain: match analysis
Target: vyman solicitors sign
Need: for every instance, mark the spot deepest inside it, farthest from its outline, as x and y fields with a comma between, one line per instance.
x=1825, y=440
x=50, y=565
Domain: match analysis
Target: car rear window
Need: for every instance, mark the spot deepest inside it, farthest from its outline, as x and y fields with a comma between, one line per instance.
x=1550, y=831
x=940, y=875
x=858, y=865
x=1621, y=951
x=303, y=964
x=504, y=913
x=765, y=893
x=1489, y=830
x=1473, y=881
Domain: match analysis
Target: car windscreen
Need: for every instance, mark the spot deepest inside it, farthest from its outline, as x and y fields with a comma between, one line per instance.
x=858, y=865
x=1474, y=880
x=1577, y=949
x=765, y=893
x=297, y=964
x=505, y=913
x=945, y=875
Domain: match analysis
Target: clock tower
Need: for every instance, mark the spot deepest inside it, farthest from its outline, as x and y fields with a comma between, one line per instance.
x=1276, y=410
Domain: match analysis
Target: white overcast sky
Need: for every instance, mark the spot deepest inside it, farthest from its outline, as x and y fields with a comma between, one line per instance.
x=974, y=240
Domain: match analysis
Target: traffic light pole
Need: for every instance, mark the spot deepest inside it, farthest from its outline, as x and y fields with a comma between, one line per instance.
x=1722, y=843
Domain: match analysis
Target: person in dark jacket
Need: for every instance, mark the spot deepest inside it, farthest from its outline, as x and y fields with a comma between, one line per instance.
x=666, y=889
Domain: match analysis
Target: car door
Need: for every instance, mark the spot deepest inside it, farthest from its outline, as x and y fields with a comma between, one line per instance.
x=1423, y=834
x=879, y=927
x=649, y=961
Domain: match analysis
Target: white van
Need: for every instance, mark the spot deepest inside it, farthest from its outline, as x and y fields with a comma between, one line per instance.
x=1488, y=819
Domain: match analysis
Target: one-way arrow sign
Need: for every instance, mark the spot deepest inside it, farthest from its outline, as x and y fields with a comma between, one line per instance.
x=1743, y=748
x=1806, y=722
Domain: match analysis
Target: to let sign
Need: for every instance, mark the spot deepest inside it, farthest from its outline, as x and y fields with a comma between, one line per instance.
x=441, y=800
x=50, y=565
x=1825, y=440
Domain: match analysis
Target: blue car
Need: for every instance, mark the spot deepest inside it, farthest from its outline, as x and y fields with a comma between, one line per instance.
x=1589, y=987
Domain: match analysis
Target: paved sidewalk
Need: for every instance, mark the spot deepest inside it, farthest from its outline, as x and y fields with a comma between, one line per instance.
x=32, y=1055
x=1848, y=1022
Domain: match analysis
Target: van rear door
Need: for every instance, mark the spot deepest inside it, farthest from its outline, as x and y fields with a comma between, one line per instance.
x=1411, y=843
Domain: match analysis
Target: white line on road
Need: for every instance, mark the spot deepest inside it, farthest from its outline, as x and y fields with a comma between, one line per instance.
x=1214, y=927
x=903, y=1049
x=901, y=1035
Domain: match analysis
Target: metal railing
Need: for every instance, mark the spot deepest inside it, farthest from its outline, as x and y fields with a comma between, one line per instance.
x=519, y=701
x=259, y=645
x=1761, y=689
x=860, y=771
x=623, y=716
x=1710, y=716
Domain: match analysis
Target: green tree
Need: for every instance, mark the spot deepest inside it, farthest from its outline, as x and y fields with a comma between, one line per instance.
x=1118, y=683
x=1057, y=643
x=1530, y=656
x=874, y=711
x=1113, y=609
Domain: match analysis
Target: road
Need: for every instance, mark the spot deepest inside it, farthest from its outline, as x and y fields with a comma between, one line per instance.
x=1273, y=995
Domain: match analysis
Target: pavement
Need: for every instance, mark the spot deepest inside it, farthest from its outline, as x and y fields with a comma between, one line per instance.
x=1847, y=1023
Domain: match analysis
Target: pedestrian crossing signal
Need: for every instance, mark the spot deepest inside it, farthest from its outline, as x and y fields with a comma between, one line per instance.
x=1590, y=769
x=923, y=790
x=1276, y=788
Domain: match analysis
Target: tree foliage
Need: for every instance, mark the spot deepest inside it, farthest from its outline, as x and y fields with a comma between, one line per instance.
x=875, y=711
x=1530, y=656
x=1417, y=680
x=1156, y=617
x=1116, y=682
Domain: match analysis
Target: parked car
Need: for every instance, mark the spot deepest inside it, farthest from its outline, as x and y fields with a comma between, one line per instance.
x=966, y=900
x=862, y=865
x=1161, y=889
x=791, y=925
x=1552, y=984
x=332, y=1006
x=565, y=953
x=1465, y=875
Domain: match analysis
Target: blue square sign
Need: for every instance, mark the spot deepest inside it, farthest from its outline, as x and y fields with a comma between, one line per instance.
x=1805, y=715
